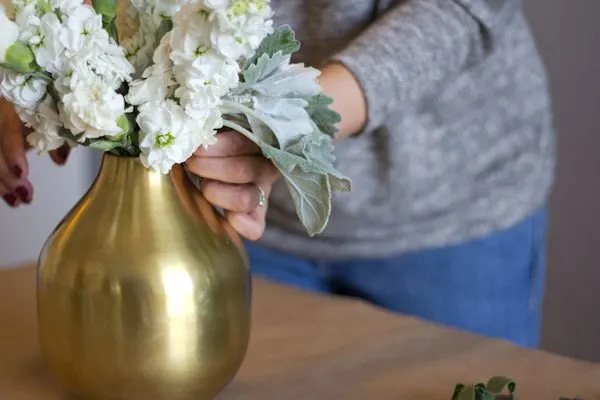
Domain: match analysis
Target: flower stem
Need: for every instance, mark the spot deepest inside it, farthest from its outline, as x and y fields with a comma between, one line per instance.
x=240, y=129
x=240, y=108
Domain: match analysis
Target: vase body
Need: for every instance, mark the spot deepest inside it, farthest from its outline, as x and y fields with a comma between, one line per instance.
x=143, y=290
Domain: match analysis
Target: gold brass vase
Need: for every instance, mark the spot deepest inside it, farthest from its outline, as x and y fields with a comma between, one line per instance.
x=143, y=290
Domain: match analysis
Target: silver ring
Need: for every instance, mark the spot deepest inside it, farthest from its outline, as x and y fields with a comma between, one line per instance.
x=262, y=197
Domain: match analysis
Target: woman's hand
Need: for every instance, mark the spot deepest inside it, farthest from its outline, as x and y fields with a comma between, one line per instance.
x=234, y=172
x=15, y=187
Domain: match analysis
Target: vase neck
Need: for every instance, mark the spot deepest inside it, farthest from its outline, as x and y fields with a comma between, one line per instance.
x=128, y=172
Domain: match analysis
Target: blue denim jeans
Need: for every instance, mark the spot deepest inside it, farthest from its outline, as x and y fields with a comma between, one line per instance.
x=491, y=286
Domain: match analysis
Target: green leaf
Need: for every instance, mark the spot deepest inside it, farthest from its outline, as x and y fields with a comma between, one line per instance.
x=498, y=384
x=311, y=181
x=106, y=8
x=111, y=28
x=265, y=66
x=311, y=191
x=324, y=117
x=311, y=194
x=166, y=26
x=283, y=39
x=287, y=118
x=104, y=145
x=274, y=76
x=43, y=7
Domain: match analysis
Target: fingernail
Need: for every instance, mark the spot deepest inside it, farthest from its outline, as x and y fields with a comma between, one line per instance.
x=23, y=193
x=63, y=153
x=10, y=199
x=17, y=171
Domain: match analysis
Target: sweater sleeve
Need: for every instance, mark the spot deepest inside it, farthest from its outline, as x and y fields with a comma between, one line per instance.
x=417, y=44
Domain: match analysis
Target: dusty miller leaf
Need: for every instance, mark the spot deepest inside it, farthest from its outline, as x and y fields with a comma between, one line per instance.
x=311, y=181
x=283, y=39
x=274, y=76
x=324, y=117
x=310, y=188
x=264, y=66
x=287, y=118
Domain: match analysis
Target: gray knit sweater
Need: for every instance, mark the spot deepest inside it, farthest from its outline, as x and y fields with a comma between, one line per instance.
x=459, y=141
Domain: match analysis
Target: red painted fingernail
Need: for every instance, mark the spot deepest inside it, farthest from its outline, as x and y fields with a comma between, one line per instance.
x=17, y=171
x=23, y=193
x=63, y=153
x=10, y=199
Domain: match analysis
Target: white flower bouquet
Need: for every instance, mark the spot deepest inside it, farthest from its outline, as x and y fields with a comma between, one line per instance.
x=190, y=68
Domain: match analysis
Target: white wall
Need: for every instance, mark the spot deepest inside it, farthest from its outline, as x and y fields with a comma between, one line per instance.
x=56, y=189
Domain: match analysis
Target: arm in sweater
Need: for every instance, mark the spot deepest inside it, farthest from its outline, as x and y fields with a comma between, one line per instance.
x=415, y=45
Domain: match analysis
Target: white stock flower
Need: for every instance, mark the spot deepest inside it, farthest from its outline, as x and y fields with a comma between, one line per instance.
x=83, y=29
x=190, y=36
x=27, y=116
x=92, y=107
x=66, y=7
x=204, y=75
x=20, y=90
x=165, y=137
x=46, y=126
x=157, y=82
x=167, y=8
x=23, y=9
x=241, y=27
x=199, y=91
x=155, y=86
x=205, y=124
x=110, y=63
x=10, y=33
x=217, y=4
x=43, y=36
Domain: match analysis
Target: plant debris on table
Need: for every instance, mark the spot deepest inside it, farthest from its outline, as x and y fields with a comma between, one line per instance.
x=497, y=388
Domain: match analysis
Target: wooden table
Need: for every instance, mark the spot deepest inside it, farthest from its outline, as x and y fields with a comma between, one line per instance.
x=308, y=347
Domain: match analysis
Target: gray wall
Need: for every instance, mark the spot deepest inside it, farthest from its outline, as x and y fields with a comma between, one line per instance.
x=568, y=33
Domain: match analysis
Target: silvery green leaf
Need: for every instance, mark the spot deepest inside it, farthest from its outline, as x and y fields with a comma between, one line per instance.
x=310, y=188
x=287, y=118
x=265, y=66
x=324, y=117
x=293, y=80
x=311, y=194
x=281, y=40
x=310, y=181
x=262, y=132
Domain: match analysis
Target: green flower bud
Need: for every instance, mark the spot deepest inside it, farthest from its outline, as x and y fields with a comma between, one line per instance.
x=107, y=8
x=43, y=7
x=123, y=123
x=20, y=58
